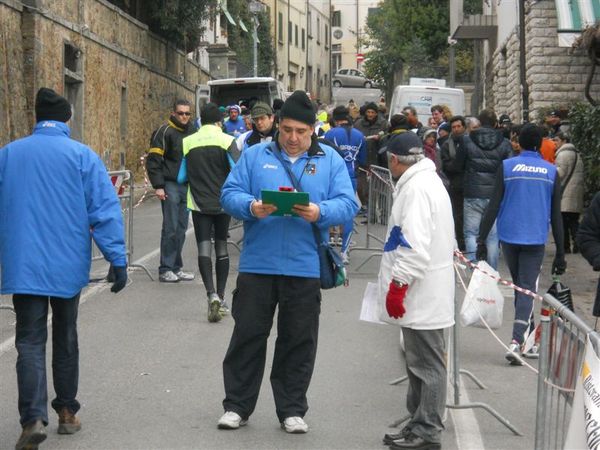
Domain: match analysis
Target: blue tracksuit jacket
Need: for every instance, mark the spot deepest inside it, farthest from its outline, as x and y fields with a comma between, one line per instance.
x=286, y=245
x=55, y=196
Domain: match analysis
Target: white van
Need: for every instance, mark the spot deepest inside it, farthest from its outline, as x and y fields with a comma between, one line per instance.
x=231, y=91
x=422, y=98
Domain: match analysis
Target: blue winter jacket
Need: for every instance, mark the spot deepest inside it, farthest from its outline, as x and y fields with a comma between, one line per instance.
x=55, y=195
x=286, y=245
x=352, y=145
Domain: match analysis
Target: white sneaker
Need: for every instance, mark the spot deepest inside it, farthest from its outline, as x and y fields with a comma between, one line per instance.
x=168, y=277
x=214, y=306
x=231, y=421
x=184, y=276
x=513, y=355
x=532, y=353
x=295, y=425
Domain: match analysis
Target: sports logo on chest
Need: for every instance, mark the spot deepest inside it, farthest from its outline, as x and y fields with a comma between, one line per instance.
x=310, y=169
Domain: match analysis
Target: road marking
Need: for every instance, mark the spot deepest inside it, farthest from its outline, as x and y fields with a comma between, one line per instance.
x=9, y=344
x=468, y=435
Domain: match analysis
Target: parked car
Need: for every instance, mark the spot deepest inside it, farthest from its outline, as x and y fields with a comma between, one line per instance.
x=351, y=78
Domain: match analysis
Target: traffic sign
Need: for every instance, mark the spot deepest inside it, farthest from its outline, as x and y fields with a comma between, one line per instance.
x=360, y=57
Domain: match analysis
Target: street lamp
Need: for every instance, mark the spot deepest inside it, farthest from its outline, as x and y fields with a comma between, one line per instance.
x=256, y=7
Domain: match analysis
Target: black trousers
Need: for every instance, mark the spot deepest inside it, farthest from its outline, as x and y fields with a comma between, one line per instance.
x=254, y=302
x=570, y=227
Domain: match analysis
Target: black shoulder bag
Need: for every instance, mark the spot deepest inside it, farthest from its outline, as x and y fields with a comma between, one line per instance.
x=332, y=269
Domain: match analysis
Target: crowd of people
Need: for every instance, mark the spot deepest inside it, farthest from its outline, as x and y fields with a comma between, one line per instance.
x=459, y=183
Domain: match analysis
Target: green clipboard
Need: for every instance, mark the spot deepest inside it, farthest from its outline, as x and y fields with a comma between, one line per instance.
x=284, y=200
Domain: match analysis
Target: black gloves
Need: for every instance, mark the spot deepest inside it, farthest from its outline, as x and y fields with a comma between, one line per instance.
x=559, y=265
x=481, y=254
x=119, y=275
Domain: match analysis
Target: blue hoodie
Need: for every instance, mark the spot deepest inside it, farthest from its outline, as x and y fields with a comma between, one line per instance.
x=286, y=245
x=55, y=196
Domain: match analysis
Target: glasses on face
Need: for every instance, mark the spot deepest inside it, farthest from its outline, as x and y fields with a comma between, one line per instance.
x=181, y=113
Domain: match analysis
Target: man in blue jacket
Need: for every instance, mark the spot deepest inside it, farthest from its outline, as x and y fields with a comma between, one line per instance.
x=279, y=265
x=353, y=148
x=58, y=196
x=526, y=201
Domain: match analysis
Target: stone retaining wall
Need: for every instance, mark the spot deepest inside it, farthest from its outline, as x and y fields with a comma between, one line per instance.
x=555, y=75
x=129, y=76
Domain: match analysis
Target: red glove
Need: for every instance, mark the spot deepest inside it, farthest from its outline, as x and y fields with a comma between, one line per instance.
x=394, y=301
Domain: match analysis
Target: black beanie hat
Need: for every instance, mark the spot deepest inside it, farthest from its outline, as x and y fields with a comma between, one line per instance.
x=51, y=106
x=340, y=113
x=298, y=107
x=530, y=137
x=210, y=113
x=371, y=105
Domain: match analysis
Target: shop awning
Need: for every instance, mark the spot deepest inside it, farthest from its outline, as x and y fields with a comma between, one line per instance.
x=573, y=17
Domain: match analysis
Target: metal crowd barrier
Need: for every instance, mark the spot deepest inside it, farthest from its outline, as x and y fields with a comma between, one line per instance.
x=123, y=182
x=381, y=189
x=235, y=224
x=562, y=351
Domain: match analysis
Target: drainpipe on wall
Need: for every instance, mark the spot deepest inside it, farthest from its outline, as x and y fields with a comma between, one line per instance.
x=287, y=38
x=522, y=68
x=276, y=40
x=308, y=83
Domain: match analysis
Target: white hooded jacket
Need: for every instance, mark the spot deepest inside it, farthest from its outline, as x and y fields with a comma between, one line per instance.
x=419, y=250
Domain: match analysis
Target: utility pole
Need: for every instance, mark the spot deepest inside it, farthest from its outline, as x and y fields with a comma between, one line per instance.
x=255, y=8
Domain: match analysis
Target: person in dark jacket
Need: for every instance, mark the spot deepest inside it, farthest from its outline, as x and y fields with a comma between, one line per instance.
x=526, y=200
x=55, y=197
x=484, y=151
x=455, y=174
x=207, y=158
x=588, y=240
x=398, y=125
x=162, y=164
x=373, y=127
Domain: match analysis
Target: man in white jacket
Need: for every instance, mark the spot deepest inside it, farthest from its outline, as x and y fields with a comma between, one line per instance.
x=416, y=281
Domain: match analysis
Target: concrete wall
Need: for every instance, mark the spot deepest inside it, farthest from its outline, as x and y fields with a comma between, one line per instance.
x=129, y=77
x=555, y=75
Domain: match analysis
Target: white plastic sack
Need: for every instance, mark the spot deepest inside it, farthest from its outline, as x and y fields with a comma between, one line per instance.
x=483, y=297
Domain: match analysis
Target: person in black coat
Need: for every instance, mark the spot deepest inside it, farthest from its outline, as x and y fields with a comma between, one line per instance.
x=588, y=240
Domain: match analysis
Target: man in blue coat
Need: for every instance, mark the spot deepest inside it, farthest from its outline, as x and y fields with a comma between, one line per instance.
x=279, y=265
x=353, y=148
x=55, y=195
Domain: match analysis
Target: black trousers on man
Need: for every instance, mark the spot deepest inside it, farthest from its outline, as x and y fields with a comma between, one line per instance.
x=253, y=307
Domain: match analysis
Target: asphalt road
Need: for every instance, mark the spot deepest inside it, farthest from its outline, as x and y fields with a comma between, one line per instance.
x=151, y=369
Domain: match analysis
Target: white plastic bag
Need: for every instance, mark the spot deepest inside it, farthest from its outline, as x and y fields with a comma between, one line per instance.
x=483, y=297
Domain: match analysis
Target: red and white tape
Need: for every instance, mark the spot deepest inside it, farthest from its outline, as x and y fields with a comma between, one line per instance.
x=467, y=261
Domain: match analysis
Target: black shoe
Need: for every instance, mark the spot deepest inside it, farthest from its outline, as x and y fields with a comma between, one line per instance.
x=391, y=437
x=414, y=442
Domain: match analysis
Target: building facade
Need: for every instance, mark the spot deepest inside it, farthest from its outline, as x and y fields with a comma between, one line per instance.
x=551, y=74
x=302, y=43
x=348, y=21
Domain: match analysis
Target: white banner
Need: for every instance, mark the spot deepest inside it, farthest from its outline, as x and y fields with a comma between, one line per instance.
x=584, y=429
